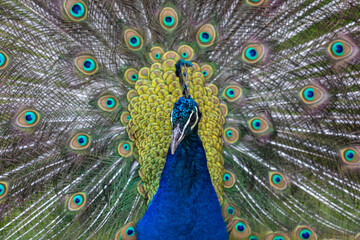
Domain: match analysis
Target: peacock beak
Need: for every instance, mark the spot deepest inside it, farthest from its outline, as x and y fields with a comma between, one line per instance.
x=177, y=137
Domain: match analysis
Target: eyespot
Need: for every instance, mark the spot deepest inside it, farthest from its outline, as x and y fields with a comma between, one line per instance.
x=253, y=53
x=3, y=189
x=252, y=237
x=305, y=233
x=133, y=40
x=76, y=201
x=278, y=181
x=207, y=71
x=80, y=141
x=229, y=179
x=125, y=149
x=131, y=75
x=156, y=54
x=255, y=2
x=232, y=93
x=127, y=232
x=186, y=52
x=144, y=73
x=277, y=236
x=206, y=35
x=171, y=55
x=131, y=94
x=169, y=18
x=229, y=211
x=340, y=49
x=312, y=95
x=28, y=118
x=224, y=109
x=240, y=229
x=125, y=118
x=350, y=156
x=258, y=125
x=108, y=103
x=86, y=64
x=76, y=10
x=4, y=60
x=231, y=135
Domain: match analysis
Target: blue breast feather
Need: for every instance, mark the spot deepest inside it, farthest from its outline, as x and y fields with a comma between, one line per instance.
x=186, y=205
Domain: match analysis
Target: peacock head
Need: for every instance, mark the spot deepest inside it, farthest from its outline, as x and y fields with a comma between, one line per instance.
x=185, y=117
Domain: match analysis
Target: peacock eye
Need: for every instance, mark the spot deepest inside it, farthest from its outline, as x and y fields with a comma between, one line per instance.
x=108, y=103
x=127, y=232
x=305, y=234
x=156, y=53
x=232, y=93
x=28, y=118
x=168, y=18
x=278, y=181
x=278, y=238
x=3, y=189
x=76, y=201
x=80, y=141
x=4, y=60
x=131, y=75
x=186, y=52
x=253, y=238
x=312, y=95
x=258, y=125
x=125, y=149
x=240, y=229
x=350, y=156
x=340, y=49
x=133, y=39
x=231, y=135
x=86, y=64
x=206, y=35
x=130, y=231
x=229, y=179
x=253, y=53
x=75, y=9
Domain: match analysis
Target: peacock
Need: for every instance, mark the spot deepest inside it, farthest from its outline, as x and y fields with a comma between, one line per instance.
x=162, y=119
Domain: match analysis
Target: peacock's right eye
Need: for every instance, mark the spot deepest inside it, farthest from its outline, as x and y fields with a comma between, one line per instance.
x=133, y=39
x=253, y=53
x=28, y=118
x=76, y=201
x=4, y=60
x=80, y=141
x=75, y=9
x=86, y=64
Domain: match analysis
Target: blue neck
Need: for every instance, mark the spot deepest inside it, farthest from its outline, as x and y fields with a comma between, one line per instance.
x=186, y=205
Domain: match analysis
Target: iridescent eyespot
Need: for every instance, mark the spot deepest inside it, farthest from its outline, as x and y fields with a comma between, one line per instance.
x=125, y=118
x=3, y=189
x=229, y=211
x=144, y=73
x=131, y=94
x=304, y=233
x=108, y=103
x=229, y=179
x=232, y=93
x=76, y=201
x=131, y=75
x=341, y=49
x=127, y=232
x=224, y=109
x=4, y=60
x=171, y=55
x=27, y=118
x=186, y=52
x=258, y=125
x=156, y=54
x=239, y=228
x=278, y=181
x=80, y=141
x=86, y=64
x=207, y=71
x=168, y=18
x=255, y=2
x=231, y=135
x=252, y=237
x=125, y=149
x=312, y=95
x=277, y=236
x=76, y=10
x=253, y=53
x=133, y=40
x=206, y=35
x=350, y=156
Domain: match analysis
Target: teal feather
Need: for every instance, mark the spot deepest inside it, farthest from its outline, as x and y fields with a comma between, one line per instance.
x=294, y=65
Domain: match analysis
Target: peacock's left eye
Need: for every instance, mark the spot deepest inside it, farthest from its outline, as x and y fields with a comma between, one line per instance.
x=86, y=64
x=108, y=103
x=277, y=180
x=28, y=118
x=75, y=9
x=3, y=189
x=80, y=141
x=206, y=35
x=350, y=156
x=340, y=49
x=127, y=232
x=4, y=60
x=253, y=53
x=133, y=39
x=76, y=201
x=168, y=18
